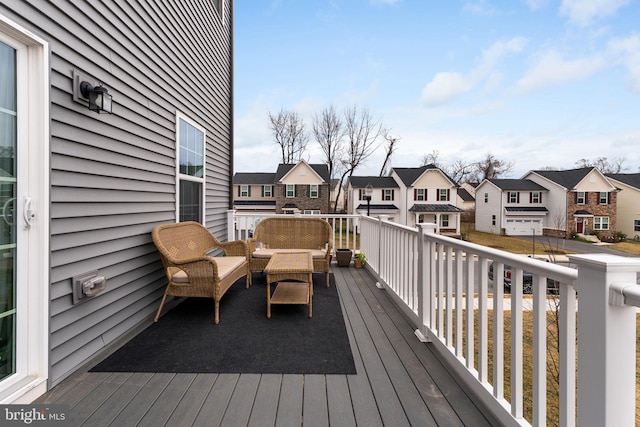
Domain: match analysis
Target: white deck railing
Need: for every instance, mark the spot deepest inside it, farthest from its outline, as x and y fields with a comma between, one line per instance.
x=442, y=285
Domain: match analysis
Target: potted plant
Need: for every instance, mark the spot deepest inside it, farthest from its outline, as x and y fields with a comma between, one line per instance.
x=360, y=260
x=343, y=257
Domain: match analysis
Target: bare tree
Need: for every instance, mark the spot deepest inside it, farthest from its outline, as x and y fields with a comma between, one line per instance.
x=289, y=133
x=491, y=167
x=361, y=133
x=328, y=131
x=431, y=159
x=389, y=149
x=604, y=165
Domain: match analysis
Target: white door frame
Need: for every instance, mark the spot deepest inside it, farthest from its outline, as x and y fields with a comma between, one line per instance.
x=32, y=267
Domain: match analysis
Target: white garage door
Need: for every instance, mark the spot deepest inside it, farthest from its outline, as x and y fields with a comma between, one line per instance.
x=524, y=227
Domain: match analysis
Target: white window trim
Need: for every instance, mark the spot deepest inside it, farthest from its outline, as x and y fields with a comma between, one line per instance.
x=244, y=193
x=420, y=197
x=584, y=198
x=32, y=332
x=442, y=194
x=264, y=190
x=312, y=191
x=286, y=191
x=597, y=223
x=179, y=176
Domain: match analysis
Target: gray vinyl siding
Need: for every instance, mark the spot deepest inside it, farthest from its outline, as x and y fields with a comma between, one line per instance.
x=113, y=176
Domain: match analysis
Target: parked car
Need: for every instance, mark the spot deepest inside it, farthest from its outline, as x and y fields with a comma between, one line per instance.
x=527, y=281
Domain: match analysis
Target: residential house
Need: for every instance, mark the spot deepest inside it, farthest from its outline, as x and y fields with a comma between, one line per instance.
x=81, y=190
x=254, y=192
x=579, y=201
x=383, y=199
x=628, y=212
x=466, y=200
x=428, y=194
x=337, y=192
x=293, y=188
x=514, y=207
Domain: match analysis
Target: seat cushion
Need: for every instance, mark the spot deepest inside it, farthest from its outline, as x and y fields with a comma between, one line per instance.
x=266, y=253
x=226, y=265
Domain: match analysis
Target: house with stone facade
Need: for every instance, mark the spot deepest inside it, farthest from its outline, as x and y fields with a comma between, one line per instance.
x=293, y=188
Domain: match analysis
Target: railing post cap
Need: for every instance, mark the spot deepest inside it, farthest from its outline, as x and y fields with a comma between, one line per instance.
x=606, y=262
x=427, y=227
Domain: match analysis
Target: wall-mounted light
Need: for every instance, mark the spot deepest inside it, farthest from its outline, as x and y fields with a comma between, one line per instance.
x=99, y=98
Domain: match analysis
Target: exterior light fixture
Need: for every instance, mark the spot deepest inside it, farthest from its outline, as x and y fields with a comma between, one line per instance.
x=99, y=98
x=368, y=191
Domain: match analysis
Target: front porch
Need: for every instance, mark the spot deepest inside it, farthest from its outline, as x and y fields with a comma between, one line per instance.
x=400, y=381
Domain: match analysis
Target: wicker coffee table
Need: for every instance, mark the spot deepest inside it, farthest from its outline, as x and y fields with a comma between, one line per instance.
x=284, y=267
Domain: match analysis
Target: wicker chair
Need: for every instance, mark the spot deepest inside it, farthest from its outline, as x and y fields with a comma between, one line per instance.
x=184, y=249
x=286, y=233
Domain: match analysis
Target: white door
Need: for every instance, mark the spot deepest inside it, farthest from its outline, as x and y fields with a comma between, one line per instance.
x=24, y=150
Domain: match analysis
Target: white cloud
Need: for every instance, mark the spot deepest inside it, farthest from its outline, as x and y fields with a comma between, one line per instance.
x=584, y=12
x=446, y=86
x=628, y=51
x=536, y=4
x=552, y=69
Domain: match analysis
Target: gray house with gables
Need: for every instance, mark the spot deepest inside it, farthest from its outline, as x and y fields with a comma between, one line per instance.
x=82, y=189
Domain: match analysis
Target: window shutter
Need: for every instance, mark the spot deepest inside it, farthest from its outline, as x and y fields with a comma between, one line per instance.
x=248, y=190
x=392, y=194
x=518, y=197
x=531, y=197
x=540, y=197
x=239, y=189
x=575, y=197
x=425, y=195
x=448, y=194
x=415, y=194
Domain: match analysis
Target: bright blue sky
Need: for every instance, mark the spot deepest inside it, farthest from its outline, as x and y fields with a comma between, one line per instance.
x=536, y=82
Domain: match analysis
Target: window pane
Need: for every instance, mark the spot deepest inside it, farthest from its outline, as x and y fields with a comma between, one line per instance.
x=190, y=201
x=191, y=150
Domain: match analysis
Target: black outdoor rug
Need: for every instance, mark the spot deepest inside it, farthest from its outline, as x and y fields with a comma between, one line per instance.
x=185, y=339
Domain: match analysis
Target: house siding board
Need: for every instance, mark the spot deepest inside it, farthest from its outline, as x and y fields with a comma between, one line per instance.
x=113, y=176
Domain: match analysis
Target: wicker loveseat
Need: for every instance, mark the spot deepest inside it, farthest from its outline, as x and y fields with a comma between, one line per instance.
x=184, y=249
x=281, y=234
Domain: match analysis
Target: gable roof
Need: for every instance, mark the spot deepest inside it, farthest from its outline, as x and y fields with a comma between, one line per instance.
x=240, y=178
x=516, y=184
x=566, y=178
x=375, y=181
x=321, y=169
x=465, y=195
x=411, y=175
x=631, y=179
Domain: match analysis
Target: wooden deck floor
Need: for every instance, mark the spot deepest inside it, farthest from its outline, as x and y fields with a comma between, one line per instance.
x=400, y=382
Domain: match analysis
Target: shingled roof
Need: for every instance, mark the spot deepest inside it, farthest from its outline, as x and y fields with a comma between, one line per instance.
x=375, y=181
x=321, y=169
x=517, y=184
x=566, y=178
x=411, y=175
x=253, y=178
x=631, y=179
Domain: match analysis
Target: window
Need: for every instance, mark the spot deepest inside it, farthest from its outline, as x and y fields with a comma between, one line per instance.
x=314, y=191
x=419, y=194
x=580, y=197
x=290, y=190
x=311, y=212
x=362, y=194
x=267, y=191
x=191, y=172
x=443, y=194
x=601, y=223
x=444, y=220
x=604, y=198
x=513, y=197
x=535, y=197
x=245, y=191
x=387, y=194
x=493, y=220
x=636, y=225
x=486, y=197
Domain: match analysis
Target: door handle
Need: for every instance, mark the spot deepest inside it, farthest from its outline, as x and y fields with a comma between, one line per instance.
x=28, y=213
